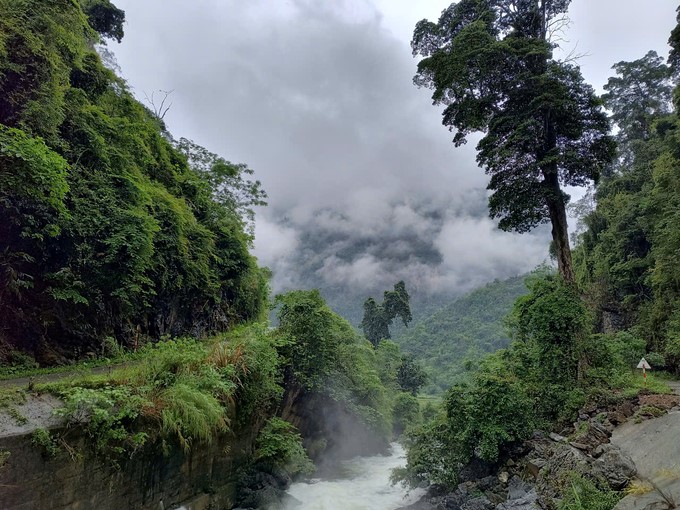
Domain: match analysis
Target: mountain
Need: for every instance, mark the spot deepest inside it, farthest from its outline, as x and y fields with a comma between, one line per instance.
x=462, y=331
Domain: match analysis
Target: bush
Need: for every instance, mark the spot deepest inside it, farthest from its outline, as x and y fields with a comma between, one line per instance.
x=430, y=457
x=489, y=415
x=108, y=415
x=279, y=447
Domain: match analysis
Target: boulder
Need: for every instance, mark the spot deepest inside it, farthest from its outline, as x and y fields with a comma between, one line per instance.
x=614, y=466
x=527, y=502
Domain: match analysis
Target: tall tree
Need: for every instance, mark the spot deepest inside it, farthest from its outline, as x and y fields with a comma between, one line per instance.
x=378, y=317
x=640, y=93
x=491, y=64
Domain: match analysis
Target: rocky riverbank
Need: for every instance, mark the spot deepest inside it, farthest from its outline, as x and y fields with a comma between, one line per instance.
x=535, y=475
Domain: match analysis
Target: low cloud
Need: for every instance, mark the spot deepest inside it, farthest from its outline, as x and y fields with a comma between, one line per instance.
x=365, y=185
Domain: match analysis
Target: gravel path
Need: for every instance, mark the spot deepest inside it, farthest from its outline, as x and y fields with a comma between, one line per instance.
x=23, y=382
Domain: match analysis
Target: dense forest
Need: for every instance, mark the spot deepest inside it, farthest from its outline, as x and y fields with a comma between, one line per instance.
x=451, y=341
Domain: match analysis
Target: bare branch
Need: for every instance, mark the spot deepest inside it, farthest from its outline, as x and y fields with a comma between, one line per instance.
x=162, y=109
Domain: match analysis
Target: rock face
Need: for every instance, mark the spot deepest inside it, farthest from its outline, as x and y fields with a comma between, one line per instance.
x=151, y=479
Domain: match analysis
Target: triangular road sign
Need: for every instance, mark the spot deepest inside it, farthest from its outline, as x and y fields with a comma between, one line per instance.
x=643, y=364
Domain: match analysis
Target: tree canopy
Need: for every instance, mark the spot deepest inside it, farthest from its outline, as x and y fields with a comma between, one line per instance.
x=490, y=64
x=378, y=317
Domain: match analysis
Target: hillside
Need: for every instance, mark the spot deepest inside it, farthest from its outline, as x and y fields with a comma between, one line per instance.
x=112, y=229
x=462, y=331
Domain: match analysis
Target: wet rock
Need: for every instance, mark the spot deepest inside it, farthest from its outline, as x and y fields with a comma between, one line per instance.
x=421, y=504
x=517, y=488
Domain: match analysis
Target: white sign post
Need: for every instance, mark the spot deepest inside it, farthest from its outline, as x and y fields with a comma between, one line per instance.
x=644, y=366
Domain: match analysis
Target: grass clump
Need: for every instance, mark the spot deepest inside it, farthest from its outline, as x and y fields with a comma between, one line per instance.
x=191, y=414
x=583, y=494
x=638, y=488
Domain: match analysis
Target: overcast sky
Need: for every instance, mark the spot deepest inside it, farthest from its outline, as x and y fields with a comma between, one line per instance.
x=317, y=97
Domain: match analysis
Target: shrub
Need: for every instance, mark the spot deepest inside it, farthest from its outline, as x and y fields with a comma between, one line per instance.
x=279, y=447
x=42, y=439
x=108, y=415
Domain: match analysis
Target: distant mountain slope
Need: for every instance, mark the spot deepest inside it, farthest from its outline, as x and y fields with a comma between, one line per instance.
x=462, y=331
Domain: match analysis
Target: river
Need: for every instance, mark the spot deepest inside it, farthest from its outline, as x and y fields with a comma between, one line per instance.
x=363, y=483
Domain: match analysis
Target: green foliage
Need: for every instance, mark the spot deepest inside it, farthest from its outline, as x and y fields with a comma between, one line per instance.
x=493, y=413
x=227, y=180
x=406, y=413
x=107, y=414
x=583, y=494
x=454, y=339
x=105, y=18
x=191, y=414
x=253, y=351
x=627, y=257
x=490, y=64
x=480, y=420
x=411, y=376
x=378, y=317
x=110, y=230
x=637, y=96
x=550, y=325
x=279, y=447
x=179, y=390
x=430, y=458
x=47, y=443
x=322, y=352
x=315, y=333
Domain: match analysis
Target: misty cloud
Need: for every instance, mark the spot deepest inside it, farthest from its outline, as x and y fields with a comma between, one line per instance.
x=365, y=185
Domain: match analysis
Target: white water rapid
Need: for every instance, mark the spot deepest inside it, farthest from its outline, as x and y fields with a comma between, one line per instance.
x=363, y=483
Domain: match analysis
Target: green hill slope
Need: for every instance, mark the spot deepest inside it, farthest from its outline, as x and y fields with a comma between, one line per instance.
x=462, y=331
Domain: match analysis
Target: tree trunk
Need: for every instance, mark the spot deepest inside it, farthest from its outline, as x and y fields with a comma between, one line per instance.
x=560, y=228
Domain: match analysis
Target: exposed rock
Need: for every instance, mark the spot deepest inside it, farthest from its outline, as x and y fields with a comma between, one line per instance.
x=557, y=438
x=591, y=434
x=614, y=466
x=527, y=502
x=503, y=477
x=476, y=470
x=535, y=465
x=422, y=504
x=479, y=503
x=518, y=489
